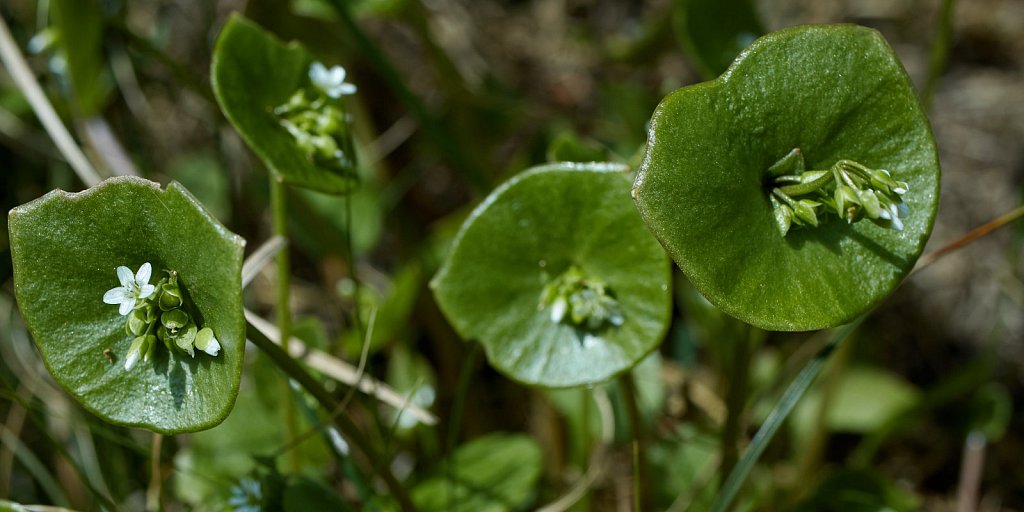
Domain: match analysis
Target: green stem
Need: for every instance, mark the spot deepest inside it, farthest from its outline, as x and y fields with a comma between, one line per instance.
x=279, y=221
x=778, y=416
x=736, y=399
x=364, y=452
x=813, y=451
x=154, y=491
x=456, y=418
x=641, y=499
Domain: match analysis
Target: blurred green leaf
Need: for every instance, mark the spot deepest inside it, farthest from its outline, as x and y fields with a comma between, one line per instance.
x=992, y=411
x=253, y=73
x=714, y=32
x=203, y=174
x=392, y=308
x=567, y=147
x=702, y=188
x=10, y=506
x=685, y=466
x=546, y=225
x=80, y=24
x=865, y=399
x=65, y=249
x=859, y=491
x=494, y=473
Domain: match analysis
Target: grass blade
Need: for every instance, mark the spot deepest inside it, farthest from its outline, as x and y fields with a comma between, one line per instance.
x=778, y=416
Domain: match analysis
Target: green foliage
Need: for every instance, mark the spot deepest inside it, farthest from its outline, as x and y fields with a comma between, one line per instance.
x=859, y=491
x=80, y=25
x=256, y=79
x=713, y=32
x=65, y=249
x=836, y=93
x=548, y=222
x=495, y=473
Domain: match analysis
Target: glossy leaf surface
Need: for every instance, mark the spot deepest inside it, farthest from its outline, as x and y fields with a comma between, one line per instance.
x=253, y=73
x=835, y=92
x=526, y=234
x=66, y=248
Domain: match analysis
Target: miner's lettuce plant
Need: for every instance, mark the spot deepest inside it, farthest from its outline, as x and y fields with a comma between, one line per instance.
x=795, y=192
x=798, y=189
x=93, y=318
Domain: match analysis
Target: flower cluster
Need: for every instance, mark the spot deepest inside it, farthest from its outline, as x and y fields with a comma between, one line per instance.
x=848, y=189
x=584, y=301
x=316, y=122
x=157, y=312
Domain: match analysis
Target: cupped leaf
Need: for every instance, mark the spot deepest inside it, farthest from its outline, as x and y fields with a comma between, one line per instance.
x=496, y=473
x=254, y=75
x=66, y=249
x=556, y=276
x=705, y=191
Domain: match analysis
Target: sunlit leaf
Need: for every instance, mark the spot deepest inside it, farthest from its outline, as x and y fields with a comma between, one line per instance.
x=834, y=92
x=542, y=228
x=66, y=248
x=253, y=73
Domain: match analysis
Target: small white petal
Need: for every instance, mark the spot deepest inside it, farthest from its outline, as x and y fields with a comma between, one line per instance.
x=558, y=310
x=347, y=88
x=124, y=274
x=115, y=295
x=146, y=291
x=318, y=73
x=337, y=75
x=143, y=275
x=340, y=445
x=885, y=214
x=213, y=348
x=897, y=224
x=127, y=306
x=133, y=357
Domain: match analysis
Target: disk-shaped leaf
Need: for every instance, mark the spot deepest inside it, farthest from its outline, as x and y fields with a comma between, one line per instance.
x=66, y=249
x=532, y=230
x=253, y=73
x=835, y=92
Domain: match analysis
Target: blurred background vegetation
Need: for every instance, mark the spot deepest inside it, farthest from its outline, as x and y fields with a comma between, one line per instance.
x=455, y=96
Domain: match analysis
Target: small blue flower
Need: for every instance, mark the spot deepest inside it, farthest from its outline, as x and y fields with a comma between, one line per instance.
x=247, y=496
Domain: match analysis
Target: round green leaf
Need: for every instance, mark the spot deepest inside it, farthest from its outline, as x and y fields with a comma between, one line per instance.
x=528, y=233
x=253, y=73
x=66, y=248
x=835, y=92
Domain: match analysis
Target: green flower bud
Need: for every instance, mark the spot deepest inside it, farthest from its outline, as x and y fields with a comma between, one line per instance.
x=174, y=320
x=171, y=297
x=186, y=338
x=138, y=321
x=206, y=342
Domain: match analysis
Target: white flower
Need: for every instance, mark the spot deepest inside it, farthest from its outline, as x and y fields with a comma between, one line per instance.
x=133, y=288
x=330, y=81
